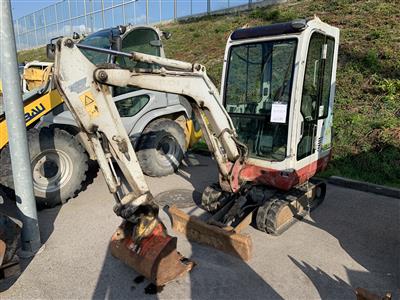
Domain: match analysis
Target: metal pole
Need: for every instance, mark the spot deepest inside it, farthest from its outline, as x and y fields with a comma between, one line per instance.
x=20, y=161
x=208, y=6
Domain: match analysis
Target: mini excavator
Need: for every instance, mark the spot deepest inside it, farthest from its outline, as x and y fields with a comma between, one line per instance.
x=270, y=132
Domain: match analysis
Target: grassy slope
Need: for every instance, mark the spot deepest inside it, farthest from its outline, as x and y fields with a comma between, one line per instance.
x=367, y=109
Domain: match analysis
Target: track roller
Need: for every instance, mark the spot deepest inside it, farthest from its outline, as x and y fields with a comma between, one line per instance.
x=280, y=212
x=213, y=198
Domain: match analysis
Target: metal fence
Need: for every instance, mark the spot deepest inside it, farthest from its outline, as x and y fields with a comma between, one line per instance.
x=86, y=16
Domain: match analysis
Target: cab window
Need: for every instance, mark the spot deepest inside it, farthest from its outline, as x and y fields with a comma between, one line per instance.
x=139, y=40
x=100, y=39
x=259, y=80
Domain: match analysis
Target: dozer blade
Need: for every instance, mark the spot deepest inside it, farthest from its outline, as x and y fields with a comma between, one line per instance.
x=155, y=258
x=228, y=241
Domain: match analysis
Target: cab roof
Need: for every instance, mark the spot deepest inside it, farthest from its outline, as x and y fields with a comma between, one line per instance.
x=294, y=26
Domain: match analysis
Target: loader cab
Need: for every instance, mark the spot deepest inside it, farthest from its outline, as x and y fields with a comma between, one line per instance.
x=278, y=88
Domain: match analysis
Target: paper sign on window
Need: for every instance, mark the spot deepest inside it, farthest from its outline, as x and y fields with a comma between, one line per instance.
x=278, y=113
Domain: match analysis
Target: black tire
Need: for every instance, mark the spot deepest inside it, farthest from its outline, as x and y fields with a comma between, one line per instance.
x=59, y=165
x=161, y=147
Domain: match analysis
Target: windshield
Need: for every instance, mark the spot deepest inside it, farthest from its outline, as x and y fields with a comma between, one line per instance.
x=257, y=95
x=100, y=39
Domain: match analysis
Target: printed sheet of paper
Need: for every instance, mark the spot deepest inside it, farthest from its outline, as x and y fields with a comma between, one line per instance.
x=278, y=113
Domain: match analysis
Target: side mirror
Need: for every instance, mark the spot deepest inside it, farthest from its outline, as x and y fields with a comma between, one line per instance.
x=167, y=34
x=51, y=51
x=121, y=29
x=116, y=43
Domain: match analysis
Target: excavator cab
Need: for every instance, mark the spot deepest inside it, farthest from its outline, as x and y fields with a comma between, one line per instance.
x=278, y=87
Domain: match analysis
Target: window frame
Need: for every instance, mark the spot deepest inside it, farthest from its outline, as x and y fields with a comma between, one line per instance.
x=290, y=96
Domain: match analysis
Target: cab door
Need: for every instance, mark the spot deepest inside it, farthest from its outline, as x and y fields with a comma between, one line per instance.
x=316, y=102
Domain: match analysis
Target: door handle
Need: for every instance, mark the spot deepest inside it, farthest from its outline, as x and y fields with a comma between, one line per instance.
x=302, y=128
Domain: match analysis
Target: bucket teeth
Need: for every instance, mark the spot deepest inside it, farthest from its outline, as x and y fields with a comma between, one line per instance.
x=155, y=257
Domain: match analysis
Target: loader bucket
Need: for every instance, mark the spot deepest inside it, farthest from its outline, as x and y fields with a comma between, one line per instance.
x=156, y=258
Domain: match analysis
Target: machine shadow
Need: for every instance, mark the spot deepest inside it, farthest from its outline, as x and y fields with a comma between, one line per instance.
x=216, y=274
x=224, y=276
x=46, y=220
x=368, y=232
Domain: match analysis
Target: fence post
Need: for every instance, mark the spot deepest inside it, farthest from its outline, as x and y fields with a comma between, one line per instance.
x=45, y=26
x=85, y=13
x=123, y=13
x=134, y=12
x=35, y=28
x=21, y=168
x=208, y=6
x=175, y=14
x=147, y=11
x=102, y=14
x=56, y=16
x=160, y=10
x=26, y=36
x=70, y=17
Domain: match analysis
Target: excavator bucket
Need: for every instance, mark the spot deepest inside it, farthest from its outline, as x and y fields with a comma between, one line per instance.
x=228, y=240
x=155, y=257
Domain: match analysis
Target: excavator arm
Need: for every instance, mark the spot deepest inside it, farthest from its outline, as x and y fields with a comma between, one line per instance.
x=86, y=91
x=141, y=241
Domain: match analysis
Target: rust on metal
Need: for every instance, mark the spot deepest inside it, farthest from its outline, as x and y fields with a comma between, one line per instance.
x=9, y=235
x=155, y=257
x=363, y=294
x=2, y=251
x=230, y=242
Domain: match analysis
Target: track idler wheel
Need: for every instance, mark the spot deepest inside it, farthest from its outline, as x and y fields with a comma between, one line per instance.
x=155, y=256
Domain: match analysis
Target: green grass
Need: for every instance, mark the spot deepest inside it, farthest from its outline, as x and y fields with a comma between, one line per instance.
x=367, y=107
x=33, y=54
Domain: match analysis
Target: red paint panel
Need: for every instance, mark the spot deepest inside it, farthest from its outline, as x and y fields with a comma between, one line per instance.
x=277, y=178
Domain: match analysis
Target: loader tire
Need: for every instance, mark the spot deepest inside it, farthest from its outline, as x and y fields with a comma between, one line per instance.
x=161, y=147
x=59, y=164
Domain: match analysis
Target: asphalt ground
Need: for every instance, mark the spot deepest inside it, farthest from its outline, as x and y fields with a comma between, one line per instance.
x=350, y=241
